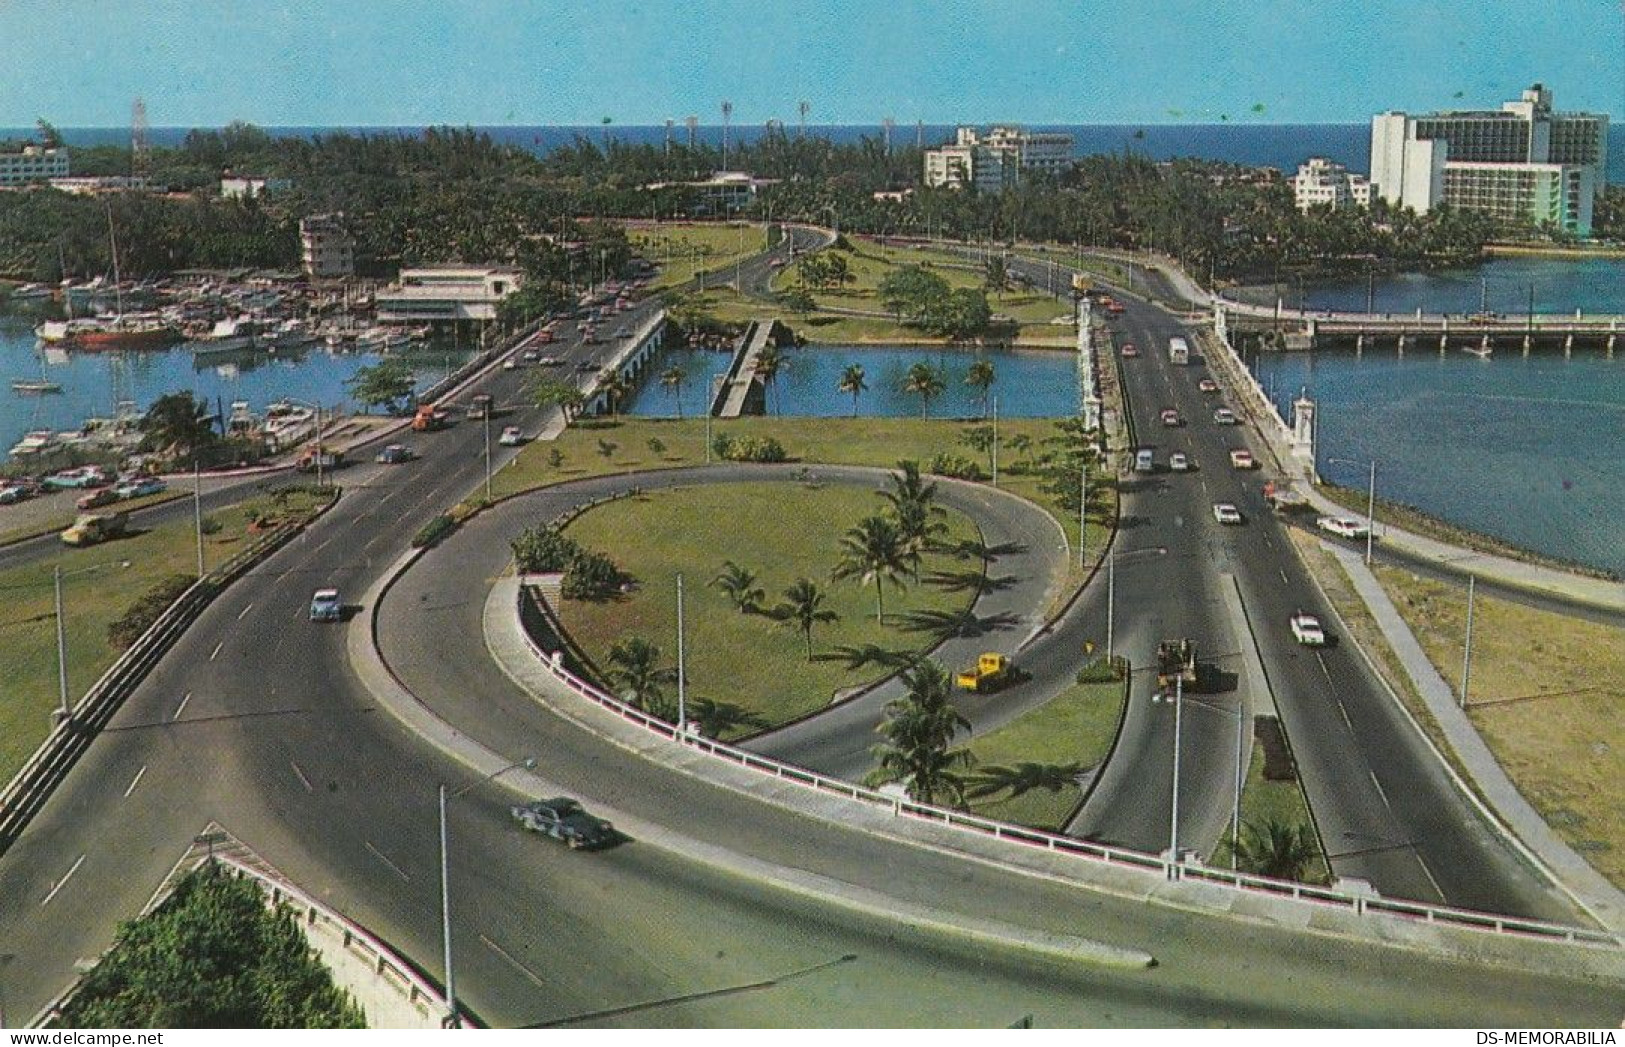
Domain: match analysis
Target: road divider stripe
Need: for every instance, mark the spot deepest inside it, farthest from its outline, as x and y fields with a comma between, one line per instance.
x=380, y=856
x=135, y=781
x=62, y=882
x=181, y=707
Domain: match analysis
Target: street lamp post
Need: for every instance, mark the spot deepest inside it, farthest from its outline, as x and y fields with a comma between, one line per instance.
x=1467, y=647
x=487, y=413
x=197, y=511
x=1173, y=829
x=64, y=712
x=1370, y=502
x=682, y=694
x=995, y=441
x=445, y=883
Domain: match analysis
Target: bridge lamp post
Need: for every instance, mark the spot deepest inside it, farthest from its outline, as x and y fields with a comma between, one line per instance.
x=64, y=712
x=1370, y=502
x=527, y=763
x=1111, y=589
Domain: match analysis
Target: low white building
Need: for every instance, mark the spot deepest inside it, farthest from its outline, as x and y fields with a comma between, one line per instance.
x=1322, y=182
x=725, y=192
x=997, y=159
x=245, y=187
x=92, y=185
x=447, y=292
x=34, y=164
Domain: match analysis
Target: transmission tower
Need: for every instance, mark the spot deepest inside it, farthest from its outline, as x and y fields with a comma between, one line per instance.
x=138, y=137
x=727, y=118
x=919, y=134
x=802, y=133
x=668, y=135
x=886, y=126
x=692, y=123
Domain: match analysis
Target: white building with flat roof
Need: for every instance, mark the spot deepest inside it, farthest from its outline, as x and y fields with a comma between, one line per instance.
x=1522, y=162
x=326, y=246
x=34, y=164
x=997, y=159
x=447, y=292
x=245, y=187
x=1325, y=183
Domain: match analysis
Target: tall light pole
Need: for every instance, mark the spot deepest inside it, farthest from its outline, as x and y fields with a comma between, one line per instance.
x=487, y=412
x=1111, y=599
x=1370, y=501
x=995, y=441
x=64, y=712
x=197, y=511
x=1173, y=829
x=682, y=694
x=1083, y=508
x=1467, y=647
x=445, y=883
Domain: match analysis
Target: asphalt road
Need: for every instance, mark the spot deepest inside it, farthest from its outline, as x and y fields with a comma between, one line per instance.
x=256, y=721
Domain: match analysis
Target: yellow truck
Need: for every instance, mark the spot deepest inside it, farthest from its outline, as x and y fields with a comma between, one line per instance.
x=95, y=527
x=990, y=672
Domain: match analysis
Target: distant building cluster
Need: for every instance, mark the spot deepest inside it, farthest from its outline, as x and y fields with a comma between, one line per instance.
x=447, y=292
x=996, y=159
x=33, y=164
x=1522, y=162
x=1326, y=183
x=95, y=185
x=326, y=246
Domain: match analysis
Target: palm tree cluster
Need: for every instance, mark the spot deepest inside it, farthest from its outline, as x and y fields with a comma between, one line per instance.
x=919, y=730
x=640, y=679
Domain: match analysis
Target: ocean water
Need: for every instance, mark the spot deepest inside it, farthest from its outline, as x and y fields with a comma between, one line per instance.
x=1504, y=285
x=1028, y=383
x=1531, y=450
x=1284, y=146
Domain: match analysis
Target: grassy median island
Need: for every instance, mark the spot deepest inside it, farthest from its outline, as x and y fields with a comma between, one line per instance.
x=781, y=532
x=1545, y=694
x=1021, y=773
x=682, y=249
x=100, y=584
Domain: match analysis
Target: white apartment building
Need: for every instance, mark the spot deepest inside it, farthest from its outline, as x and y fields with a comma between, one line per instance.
x=1524, y=161
x=326, y=248
x=1000, y=158
x=1323, y=182
x=447, y=292
x=33, y=164
x=243, y=187
x=95, y=185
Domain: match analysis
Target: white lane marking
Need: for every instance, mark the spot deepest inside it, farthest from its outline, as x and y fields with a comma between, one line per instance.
x=1322, y=660
x=245, y=611
x=1429, y=874
x=388, y=496
x=135, y=781
x=521, y=968
x=324, y=545
x=59, y=884
x=1382, y=794
x=302, y=779
x=380, y=856
x=1344, y=710
x=179, y=708
x=216, y=652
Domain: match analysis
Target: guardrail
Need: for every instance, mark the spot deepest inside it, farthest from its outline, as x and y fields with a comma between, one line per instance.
x=31, y=786
x=1174, y=871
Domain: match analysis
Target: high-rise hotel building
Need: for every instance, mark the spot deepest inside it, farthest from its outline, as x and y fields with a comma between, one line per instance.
x=1523, y=161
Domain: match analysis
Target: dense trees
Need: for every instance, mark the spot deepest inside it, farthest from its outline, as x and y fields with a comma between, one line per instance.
x=388, y=384
x=918, y=730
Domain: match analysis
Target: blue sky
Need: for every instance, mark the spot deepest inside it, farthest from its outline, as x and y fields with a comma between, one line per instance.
x=352, y=62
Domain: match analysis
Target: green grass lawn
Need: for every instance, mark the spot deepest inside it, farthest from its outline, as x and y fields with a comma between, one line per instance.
x=683, y=249
x=782, y=532
x=1263, y=801
x=99, y=584
x=1076, y=726
x=62, y=521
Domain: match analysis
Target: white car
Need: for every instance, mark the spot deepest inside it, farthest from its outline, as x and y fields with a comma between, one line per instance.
x=1226, y=513
x=1343, y=526
x=1179, y=463
x=1307, y=631
x=1224, y=416
x=511, y=437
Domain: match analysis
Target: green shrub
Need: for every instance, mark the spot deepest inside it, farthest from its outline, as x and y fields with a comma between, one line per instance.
x=1100, y=671
x=748, y=448
x=125, y=630
x=543, y=549
x=954, y=465
x=434, y=532
x=591, y=576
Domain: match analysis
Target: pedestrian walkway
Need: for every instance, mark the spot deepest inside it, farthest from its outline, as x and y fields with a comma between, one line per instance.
x=1588, y=887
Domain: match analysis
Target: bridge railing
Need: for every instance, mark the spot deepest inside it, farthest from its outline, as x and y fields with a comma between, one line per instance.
x=1172, y=870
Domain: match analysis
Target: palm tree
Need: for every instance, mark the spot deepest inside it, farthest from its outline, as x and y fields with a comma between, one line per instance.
x=914, y=509
x=981, y=377
x=613, y=384
x=803, y=607
x=769, y=362
x=918, y=729
x=633, y=669
x=873, y=550
x=740, y=585
x=1276, y=849
x=926, y=382
x=852, y=384
x=674, y=378
x=1024, y=778
x=713, y=718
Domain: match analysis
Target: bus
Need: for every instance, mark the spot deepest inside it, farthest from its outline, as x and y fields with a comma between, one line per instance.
x=1178, y=351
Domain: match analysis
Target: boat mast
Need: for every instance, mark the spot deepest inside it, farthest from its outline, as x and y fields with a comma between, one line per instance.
x=118, y=282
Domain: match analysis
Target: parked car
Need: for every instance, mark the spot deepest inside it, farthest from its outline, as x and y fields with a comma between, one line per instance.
x=1343, y=526
x=1241, y=458
x=1224, y=416
x=325, y=606
x=1208, y=385
x=68, y=479
x=1179, y=463
x=511, y=437
x=395, y=454
x=1226, y=513
x=97, y=499
x=140, y=488
x=1307, y=631
x=10, y=494
x=564, y=819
